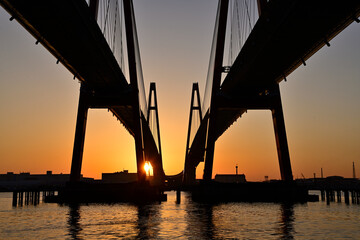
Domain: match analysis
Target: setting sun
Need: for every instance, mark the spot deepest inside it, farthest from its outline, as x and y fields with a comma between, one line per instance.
x=148, y=168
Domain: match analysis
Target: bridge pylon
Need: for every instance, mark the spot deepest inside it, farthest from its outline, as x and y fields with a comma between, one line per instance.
x=97, y=96
x=154, y=107
x=155, y=158
x=190, y=168
x=258, y=97
x=130, y=28
x=217, y=71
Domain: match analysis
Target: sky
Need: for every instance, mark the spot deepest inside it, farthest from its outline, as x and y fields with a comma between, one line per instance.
x=38, y=103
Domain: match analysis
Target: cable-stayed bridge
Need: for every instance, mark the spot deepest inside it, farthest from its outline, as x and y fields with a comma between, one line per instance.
x=88, y=38
x=265, y=46
x=267, y=41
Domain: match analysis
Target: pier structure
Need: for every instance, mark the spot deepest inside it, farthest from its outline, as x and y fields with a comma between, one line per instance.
x=26, y=197
x=334, y=188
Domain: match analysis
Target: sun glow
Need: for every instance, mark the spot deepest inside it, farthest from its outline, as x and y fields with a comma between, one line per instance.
x=148, y=168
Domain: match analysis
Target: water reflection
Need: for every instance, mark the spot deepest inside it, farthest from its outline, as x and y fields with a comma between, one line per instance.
x=74, y=226
x=200, y=221
x=287, y=218
x=148, y=221
x=239, y=220
x=109, y=221
x=187, y=220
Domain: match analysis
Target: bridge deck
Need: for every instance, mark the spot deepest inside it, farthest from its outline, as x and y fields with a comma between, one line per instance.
x=286, y=33
x=67, y=30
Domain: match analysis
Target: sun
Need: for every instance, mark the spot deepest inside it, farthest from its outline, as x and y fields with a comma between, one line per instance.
x=147, y=168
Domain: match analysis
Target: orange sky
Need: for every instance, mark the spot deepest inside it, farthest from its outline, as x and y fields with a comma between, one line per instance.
x=38, y=103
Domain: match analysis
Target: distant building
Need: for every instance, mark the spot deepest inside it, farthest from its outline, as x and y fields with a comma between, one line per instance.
x=11, y=181
x=230, y=178
x=119, y=177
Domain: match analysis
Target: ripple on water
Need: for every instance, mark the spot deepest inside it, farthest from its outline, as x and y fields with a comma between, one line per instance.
x=187, y=220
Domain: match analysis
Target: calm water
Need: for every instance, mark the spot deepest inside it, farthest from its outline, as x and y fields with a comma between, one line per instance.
x=187, y=220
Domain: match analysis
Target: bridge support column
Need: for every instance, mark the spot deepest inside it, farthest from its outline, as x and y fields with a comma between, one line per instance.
x=130, y=28
x=280, y=136
x=210, y=149
x=79, y=137
x=189, y=173
x=218, y=69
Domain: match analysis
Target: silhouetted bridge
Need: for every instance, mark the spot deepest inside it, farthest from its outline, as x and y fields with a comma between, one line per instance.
x=266, y=45
x=284, y=36
x=69, y=30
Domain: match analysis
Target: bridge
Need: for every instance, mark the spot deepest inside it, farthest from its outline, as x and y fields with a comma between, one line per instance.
x=85, y=45
x=284, y=36
x=266, y=48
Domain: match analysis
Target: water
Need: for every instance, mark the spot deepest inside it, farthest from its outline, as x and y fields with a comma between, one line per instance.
x=187, y=220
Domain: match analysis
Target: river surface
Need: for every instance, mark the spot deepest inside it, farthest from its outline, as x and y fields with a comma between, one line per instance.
x=187, y=220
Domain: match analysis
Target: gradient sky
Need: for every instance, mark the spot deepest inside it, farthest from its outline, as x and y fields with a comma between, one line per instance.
x=38, y=103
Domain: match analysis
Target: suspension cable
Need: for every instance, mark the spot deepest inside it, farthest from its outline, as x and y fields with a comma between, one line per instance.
x=247, y=10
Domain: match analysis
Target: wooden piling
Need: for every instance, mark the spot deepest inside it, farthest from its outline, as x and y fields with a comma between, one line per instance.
x=322, y=195
x=338, y=194
x=21, y=198
x=346, y=196
x=26, y=198
x=353, y=199
x=331, y=195
x=327, y=196
x=178, y=196
x=14, y=203
x=35, y=198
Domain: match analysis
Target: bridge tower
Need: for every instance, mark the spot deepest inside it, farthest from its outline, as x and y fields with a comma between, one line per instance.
x=130, y=40
x=218, y=69
x=81, y=120
x=98, y=96
x=154, y=107
x=154, y=157
x=252, y=97
x=190, y=168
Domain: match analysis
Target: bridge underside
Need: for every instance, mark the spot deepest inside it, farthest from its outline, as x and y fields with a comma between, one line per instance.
x=286, y=34
x=69, y=32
